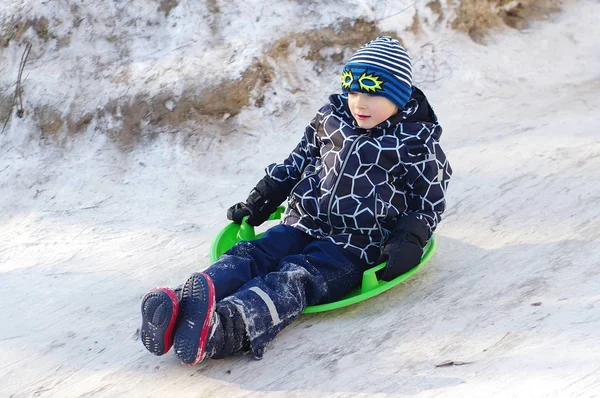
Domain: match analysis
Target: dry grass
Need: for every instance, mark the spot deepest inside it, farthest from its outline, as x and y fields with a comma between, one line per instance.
x=166, y=112
x=167, y=5
x=415, y=26
x=436, y=7
x=6, y=103
x=13, y=30
x=477, y=17
x=347, y=34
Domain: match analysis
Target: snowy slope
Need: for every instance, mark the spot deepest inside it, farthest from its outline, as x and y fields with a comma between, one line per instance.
x=513, y=291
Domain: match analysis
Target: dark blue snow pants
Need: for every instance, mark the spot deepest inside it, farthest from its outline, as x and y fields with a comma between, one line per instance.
x=271, y=280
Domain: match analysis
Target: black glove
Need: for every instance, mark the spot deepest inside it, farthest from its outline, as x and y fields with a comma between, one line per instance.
x=237, y=212
x=402, y=253
x=261, y=203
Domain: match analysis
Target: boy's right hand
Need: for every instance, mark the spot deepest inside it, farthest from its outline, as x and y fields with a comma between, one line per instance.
x=261, y=203
x=257, y=215
x=257, y=207
x=237, y=212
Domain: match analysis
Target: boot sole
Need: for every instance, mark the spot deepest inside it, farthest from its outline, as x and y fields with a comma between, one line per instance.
x=197, y=306
x=159, y=316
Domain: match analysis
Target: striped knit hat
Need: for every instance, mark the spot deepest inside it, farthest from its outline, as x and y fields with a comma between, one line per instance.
x=380, y=67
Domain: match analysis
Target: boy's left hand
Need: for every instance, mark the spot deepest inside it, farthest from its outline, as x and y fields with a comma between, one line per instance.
x=402, y=253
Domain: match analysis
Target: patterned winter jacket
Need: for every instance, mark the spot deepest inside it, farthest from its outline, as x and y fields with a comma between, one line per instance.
x=355, y=187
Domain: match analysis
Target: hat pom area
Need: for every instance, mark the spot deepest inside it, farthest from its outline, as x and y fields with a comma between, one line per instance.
x=380, y=67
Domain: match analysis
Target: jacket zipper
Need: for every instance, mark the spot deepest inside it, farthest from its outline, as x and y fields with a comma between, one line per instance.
x=337, y=182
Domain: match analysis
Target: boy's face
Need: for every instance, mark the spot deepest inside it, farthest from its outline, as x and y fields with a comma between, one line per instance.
x=370, y=110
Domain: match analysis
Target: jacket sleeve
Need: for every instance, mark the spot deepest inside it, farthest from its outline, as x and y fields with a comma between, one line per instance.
x=290, y=171
x=427, y=177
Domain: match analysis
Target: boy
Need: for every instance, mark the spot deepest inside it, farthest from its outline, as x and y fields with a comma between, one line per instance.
x=365, y=184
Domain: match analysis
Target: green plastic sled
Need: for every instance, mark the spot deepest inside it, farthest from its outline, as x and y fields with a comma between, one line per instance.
x=370, y=287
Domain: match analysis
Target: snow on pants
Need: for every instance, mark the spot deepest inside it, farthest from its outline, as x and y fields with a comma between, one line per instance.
x=271, y=280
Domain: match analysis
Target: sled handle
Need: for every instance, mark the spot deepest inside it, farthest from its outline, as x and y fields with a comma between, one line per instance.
x=369, y=280
x=247, y=232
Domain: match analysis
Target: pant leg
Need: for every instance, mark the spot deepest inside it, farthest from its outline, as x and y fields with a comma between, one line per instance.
x=323, y=272
x=249, y=259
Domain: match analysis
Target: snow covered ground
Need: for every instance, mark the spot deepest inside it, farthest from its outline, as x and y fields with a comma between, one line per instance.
x=512, y=295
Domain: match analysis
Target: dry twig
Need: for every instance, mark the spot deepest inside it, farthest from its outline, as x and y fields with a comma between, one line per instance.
x=451, y=363
x=19, y=88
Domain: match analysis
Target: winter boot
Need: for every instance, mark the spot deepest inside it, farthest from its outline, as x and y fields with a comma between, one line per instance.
x=160, y=308
x=198, y=321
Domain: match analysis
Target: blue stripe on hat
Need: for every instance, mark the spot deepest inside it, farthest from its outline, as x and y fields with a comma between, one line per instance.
x=390, y=78
x=392, y=88
x=396, y=87
x=399, y=88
